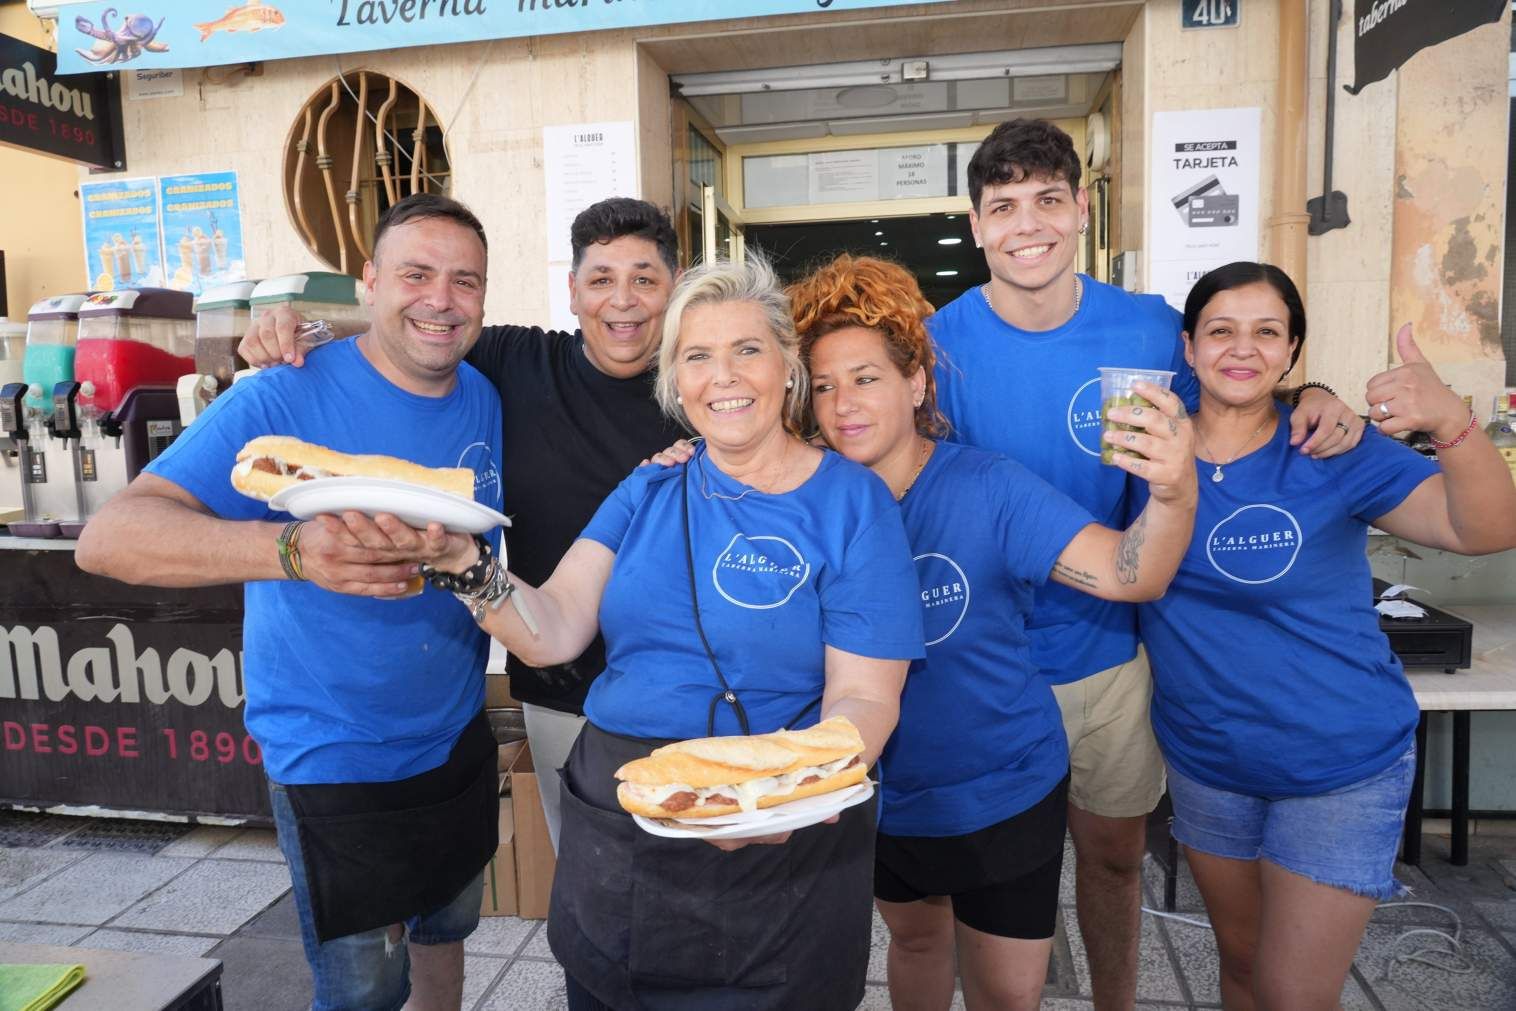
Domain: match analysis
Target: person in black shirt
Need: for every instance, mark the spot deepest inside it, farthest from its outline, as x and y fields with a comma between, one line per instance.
x=579, y=416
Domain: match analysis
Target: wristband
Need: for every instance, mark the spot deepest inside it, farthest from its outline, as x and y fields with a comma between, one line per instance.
x=289, y=550
x=1295, y=397
x=474, y=578
x=1458, y=439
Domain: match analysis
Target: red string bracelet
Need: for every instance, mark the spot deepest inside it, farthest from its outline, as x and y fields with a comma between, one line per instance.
x=1438, y=444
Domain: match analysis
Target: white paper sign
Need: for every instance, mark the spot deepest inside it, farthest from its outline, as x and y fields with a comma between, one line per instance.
x=844, y=176
x=584, y=163
x=560, y=316
x=913, y=172
x=1204, y=197
x=145, y=84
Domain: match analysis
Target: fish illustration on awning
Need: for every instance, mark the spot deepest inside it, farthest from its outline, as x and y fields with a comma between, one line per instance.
x=253, y=16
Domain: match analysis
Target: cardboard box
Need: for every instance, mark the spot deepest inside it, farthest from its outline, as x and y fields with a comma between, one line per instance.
x=535, y=861
x=508, y=754
x=497, y=692
x=500, y=875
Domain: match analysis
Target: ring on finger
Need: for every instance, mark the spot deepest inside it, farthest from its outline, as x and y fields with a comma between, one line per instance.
x=1343, y=427
x=1384, y=408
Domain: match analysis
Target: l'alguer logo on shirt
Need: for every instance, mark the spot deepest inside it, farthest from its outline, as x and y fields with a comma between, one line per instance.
x=1084, y=417
x=944, y=595
x=759, y=572
x=1255, y=544
x=478, y=457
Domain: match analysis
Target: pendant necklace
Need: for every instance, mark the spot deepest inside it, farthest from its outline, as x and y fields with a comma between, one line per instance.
x=984, y=289
x=1217, y=476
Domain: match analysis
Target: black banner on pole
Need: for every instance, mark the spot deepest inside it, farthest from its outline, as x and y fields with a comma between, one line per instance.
x=1386, y=33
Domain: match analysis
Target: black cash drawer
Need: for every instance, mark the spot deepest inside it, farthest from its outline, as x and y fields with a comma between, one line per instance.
x=1439, y=640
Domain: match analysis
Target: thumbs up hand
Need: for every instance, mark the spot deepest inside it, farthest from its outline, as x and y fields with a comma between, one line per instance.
x=1410, y=397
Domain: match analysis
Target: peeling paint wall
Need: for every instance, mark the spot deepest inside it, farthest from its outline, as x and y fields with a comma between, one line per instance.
x=1449, y=206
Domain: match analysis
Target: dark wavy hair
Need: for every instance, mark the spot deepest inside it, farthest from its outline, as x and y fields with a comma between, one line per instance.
x=882, y=296
x=1239, y=275
x=615, y=217
x=1021, y=149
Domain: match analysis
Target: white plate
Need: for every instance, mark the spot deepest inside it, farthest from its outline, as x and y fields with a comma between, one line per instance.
x=412, y=504
x=764, y=821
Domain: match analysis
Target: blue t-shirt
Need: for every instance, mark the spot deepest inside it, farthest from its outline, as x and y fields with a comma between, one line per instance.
x=980, y=736
x=779, y=578
x=1035, y=397
x=344, y=689
x=1270, y=675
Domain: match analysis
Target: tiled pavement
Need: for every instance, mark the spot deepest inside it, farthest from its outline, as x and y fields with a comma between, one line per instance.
x=224, y=893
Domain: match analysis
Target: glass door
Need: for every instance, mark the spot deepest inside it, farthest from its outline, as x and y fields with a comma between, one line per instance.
x=722, y=232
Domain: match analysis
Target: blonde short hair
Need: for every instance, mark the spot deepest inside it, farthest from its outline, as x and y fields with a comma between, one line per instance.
x=719, y=282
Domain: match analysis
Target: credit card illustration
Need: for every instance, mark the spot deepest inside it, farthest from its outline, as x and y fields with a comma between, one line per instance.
x=1218, y=211
x=1210, y=186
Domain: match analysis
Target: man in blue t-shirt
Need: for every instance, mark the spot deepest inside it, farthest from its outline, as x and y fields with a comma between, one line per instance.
x=1017, y=373
x=365, y=698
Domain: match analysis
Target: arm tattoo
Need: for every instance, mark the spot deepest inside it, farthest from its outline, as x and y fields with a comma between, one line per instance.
x=1076, y=576
x=1129, y=551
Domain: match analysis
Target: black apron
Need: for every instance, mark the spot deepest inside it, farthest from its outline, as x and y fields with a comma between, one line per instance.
x=645, y=922
x=377, y=854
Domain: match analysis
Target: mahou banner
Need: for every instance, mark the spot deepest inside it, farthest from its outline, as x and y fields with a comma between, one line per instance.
x=122, y=697
x=206, y=33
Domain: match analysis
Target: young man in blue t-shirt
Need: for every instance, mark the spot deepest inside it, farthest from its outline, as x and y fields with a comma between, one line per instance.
x=367, y=702
x=1017, y=373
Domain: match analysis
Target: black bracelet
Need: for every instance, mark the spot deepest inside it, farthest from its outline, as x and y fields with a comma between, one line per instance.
x=1295, y=397
x=471, y=579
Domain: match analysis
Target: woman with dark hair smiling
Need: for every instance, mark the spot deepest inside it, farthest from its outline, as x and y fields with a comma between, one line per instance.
x=1286, y=721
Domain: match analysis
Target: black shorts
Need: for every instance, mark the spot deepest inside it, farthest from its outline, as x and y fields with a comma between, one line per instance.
x=1002, y=879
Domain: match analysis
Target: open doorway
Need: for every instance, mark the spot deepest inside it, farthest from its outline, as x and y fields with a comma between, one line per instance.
x=937, y=248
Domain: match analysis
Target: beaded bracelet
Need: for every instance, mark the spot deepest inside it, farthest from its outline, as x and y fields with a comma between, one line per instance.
x=475, y=577
x=1295, y=397
x=1439, y=444
x=289, y=550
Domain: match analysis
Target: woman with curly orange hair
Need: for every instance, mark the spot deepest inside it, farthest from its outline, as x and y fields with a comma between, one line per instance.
x=973, y=782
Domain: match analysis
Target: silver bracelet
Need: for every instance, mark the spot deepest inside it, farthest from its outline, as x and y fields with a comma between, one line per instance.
x=496, y=590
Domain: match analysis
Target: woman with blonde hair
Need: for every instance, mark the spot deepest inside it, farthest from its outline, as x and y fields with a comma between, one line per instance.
x=762, y=584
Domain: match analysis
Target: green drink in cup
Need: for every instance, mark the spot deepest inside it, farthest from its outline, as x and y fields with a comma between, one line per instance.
x=1116, y=391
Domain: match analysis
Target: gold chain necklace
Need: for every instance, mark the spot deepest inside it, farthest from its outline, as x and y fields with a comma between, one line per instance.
x=925, y=454
x=1217, y=476
x=984, y=289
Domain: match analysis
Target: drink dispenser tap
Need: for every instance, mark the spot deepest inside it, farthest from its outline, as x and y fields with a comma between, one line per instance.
x=64, y=422
x=13, y=457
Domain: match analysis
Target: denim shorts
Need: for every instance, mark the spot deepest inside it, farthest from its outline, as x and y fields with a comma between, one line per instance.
x=366, y=970
x=1347, y=838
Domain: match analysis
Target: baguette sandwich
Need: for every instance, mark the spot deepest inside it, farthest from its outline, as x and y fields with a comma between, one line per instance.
x=711, y=776
x=271, y=463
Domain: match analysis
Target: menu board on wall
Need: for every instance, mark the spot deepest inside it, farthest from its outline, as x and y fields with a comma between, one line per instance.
x=202, y=230
x=584, y=163
x=1204, y=196
x=121, y=243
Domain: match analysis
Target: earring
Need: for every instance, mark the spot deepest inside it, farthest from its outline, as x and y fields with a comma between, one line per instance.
x=678, y=399
x=789, y=384
x=1084, y=226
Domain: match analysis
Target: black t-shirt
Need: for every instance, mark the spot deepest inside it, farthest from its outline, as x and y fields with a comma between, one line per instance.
x=572, y=433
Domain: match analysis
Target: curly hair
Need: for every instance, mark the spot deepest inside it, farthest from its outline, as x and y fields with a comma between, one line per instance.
x=882, y=296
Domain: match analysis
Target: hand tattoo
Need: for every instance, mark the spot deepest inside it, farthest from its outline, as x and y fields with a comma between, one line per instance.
x=1174, y=425
x=1129, y=551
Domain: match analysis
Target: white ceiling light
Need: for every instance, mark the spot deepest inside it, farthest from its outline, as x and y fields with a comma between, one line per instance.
x=947, y=273
x=951, y=240
x=958, y=67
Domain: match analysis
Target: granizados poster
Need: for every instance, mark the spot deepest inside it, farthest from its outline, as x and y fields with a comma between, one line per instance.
x=121, y=248
x=202, y=230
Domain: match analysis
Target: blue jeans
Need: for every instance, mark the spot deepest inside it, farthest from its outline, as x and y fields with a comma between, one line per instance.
x=1346, y=838
x=366, y=972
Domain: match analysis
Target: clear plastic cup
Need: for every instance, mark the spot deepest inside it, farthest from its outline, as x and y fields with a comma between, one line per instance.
x=1116, y=390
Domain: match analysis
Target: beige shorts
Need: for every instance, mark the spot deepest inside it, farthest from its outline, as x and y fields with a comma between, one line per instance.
x=1115, y=768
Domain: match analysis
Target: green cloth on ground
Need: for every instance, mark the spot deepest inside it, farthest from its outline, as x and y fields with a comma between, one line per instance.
x=37, y=987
